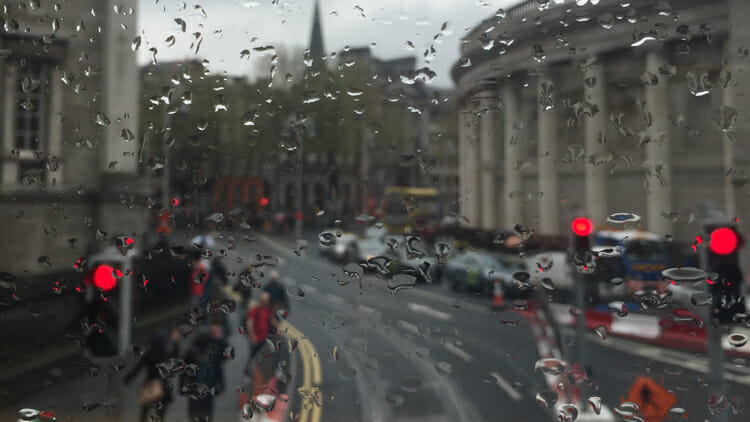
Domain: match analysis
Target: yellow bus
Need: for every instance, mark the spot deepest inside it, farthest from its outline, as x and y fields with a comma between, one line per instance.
x=408, y=209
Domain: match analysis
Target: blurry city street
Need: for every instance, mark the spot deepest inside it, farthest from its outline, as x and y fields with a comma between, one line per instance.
x=418, y=353
x=321, y=211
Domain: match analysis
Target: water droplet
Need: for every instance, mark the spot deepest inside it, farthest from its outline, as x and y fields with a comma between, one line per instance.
x=264, y=402
x=442, y=250
x=667, y=69
x=683, y=315
x=414, y=247
x=724, y=118
x=28, y=414
x=546, y=283
x=229, y=353
x=584, y=262
x=544, y=264
x=567, y=413
x=411, y=385
x=101, y=119
x=400, y=282
x=619, y=308
x=444, y=368
x=606, y=20
x=127, y=135
x=628, y=411
x=737, y=340
x=521, y=280
x=394, y=399
x=663, y=8
x=595, y=403
x=623, y=218
x=698, y=83
x=601, y=331
x=327, y=238
x=546, y=398
x=550, y=366
x=684, y=274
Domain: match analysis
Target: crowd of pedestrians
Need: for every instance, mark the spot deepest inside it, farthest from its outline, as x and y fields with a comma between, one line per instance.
x=198, y=372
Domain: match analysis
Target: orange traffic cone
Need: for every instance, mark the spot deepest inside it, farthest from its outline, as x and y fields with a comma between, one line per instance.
x=498, y=298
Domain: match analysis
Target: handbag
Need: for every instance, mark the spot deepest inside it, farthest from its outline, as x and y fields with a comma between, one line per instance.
x=152, y=391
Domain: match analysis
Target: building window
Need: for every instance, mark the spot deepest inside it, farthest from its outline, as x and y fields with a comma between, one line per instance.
x=30, y=104
x=27, y=115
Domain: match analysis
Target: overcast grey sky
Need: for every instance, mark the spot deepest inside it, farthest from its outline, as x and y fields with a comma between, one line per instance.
x=229, y=26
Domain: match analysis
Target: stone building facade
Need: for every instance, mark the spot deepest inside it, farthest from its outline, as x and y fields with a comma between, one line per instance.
x=610, y=107
x=68, y=83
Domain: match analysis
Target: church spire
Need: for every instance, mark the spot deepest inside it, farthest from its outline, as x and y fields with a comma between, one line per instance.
x=316, y=38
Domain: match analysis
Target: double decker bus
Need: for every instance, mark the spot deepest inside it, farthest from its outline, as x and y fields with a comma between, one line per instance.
x=410, y=209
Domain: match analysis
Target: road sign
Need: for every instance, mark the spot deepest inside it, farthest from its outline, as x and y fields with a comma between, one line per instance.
x=653, y=400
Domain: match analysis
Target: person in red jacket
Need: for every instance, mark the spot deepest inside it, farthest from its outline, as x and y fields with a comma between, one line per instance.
x=258, y=323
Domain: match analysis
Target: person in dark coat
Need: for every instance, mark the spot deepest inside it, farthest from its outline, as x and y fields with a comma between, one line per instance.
x=160, y=350
x=203, y=378
x=277, y=293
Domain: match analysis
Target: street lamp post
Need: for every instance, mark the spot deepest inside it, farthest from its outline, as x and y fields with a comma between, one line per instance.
x=165, y=151
x=299, y=215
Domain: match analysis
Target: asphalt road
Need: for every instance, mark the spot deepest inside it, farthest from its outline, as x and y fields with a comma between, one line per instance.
x=369, y=353
x=389, y=342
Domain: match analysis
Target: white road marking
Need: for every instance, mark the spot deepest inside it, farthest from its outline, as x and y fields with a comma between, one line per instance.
x=505, y=386
x=409, y=327
x=335, y=299
x=426, y=310
x=458, y=352
x=452, y=301
x=366, y=309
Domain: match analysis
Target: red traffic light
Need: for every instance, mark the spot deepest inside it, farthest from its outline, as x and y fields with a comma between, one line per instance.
x=582, y=226
x=104, y=277
x=263, y=202
x=723, y=241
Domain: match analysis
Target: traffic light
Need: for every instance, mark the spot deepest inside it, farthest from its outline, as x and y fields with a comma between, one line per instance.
x=725, y=275
x=582, y=228
x=106, y=309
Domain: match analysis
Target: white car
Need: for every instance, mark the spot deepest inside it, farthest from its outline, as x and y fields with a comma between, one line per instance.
x=344, y=250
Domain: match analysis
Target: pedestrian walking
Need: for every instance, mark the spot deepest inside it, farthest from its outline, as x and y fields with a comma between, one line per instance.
x=156, y=393
x=258, y=323
x=203, y=378
x=278, y=297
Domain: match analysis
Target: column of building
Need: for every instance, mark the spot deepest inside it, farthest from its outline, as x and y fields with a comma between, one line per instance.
x=8, y=82
x=488, y=134
x=512, y=154
x=594, y=92
x=658, y=150
x=735, y=95
x=468, y=153
x=547, y=143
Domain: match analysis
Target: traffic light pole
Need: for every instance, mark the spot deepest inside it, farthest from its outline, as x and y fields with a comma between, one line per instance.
x=126, y=309
x=580, y=301
x=581, y=228
x=716, y=381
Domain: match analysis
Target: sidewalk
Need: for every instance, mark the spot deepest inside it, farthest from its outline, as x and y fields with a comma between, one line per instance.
x=654, y=329
x=82, y=396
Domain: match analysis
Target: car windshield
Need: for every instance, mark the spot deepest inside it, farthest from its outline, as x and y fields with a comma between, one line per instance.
x=374, y=210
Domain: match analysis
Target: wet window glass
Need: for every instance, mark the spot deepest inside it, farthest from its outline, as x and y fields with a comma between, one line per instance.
x=324, y=210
